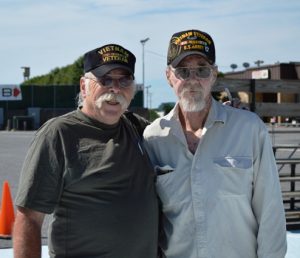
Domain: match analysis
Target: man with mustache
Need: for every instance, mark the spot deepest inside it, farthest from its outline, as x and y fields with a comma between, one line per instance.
x=89, y=170
x=216, y=173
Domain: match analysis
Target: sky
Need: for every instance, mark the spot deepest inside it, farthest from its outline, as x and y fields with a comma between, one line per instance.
x=44, y=35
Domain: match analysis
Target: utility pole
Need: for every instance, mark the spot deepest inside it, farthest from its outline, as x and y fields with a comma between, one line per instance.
x=143, y=42
x=150, y=97
x=147, y=95
x=259, y=62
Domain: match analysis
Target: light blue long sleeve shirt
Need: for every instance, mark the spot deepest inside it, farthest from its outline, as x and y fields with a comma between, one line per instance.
x=225, y=200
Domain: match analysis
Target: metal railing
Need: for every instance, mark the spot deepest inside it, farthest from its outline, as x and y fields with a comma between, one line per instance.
x=290, y=182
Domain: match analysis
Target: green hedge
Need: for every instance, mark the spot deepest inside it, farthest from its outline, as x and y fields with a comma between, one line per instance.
x=53, y=97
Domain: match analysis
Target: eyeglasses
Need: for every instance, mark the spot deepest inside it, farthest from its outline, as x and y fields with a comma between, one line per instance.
x=125, y=81
x=184, y=73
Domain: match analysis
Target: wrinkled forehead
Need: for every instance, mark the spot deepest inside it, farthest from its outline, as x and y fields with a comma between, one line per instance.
x=193, y=60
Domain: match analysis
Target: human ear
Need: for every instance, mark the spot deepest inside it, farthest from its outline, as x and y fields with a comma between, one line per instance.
x=83, y=87
x=214, y=75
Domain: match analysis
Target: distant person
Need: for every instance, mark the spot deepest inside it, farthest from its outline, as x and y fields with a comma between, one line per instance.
x=217, y=177
x=88, y=169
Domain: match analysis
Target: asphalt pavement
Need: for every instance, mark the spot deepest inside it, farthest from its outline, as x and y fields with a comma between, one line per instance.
x=14, y=145
x=13, y=148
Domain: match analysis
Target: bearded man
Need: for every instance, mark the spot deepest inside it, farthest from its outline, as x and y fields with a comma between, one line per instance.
x=88, y=170
x=216, y=173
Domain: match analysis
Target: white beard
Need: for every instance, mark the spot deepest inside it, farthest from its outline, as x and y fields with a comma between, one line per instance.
x=192, y=103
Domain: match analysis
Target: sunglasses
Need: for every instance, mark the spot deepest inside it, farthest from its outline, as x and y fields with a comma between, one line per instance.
x=125, y=81
x=184, y=73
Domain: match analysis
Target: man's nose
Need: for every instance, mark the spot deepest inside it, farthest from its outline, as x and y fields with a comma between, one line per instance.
x=193, y=75
x=115, y=86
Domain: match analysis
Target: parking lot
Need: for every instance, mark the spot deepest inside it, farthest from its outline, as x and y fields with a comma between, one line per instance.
x=14, y=144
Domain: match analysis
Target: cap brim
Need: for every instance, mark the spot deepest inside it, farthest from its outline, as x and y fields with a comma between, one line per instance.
x=104, y=69
x=179, y=58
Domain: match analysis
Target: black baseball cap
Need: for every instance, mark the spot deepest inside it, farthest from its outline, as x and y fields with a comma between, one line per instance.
x=190, y=42
x=102, y=60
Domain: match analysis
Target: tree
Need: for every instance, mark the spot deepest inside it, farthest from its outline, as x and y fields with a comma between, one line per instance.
x=233, y=66
x=246, y=65
x=68, y=75
x=152, y=115
x=166, y=107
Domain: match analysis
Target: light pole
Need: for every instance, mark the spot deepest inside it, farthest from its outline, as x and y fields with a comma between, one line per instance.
x=147, y=95
x=150, y=97
x=26, y=72
x=143, y=42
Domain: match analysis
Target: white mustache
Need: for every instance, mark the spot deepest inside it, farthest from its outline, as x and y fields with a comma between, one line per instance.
x=191, y=88
x=112, y=97
x=195, y=86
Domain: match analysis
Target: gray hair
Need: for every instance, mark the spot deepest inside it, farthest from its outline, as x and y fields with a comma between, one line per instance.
x=79, y=100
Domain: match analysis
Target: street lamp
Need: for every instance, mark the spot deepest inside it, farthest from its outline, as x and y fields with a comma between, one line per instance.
x=26, y=72
x=143, y=42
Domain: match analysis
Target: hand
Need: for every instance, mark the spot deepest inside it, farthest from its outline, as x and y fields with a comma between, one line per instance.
x=236, y=103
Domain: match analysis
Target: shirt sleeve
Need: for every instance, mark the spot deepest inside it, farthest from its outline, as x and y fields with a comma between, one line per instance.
x=40, y=181
x=267, y=200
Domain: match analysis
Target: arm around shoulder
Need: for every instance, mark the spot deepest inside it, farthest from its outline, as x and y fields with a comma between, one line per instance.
x=27, y=233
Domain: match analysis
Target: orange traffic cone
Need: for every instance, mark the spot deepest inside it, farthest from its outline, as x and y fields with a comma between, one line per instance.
x=7, y=215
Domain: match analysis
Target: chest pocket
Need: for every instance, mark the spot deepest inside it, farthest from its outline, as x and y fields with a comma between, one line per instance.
x=234, y=176
x=87, y=160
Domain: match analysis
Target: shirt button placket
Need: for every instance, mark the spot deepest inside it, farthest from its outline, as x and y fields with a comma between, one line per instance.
x=198, y=209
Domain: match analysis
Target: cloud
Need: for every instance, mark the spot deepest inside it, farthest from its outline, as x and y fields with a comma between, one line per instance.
x=49, y=34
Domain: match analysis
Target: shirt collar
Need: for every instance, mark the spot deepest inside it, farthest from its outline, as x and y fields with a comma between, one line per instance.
x=216, y=114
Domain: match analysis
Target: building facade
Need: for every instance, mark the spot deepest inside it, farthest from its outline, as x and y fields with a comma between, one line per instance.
x=278, y=71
